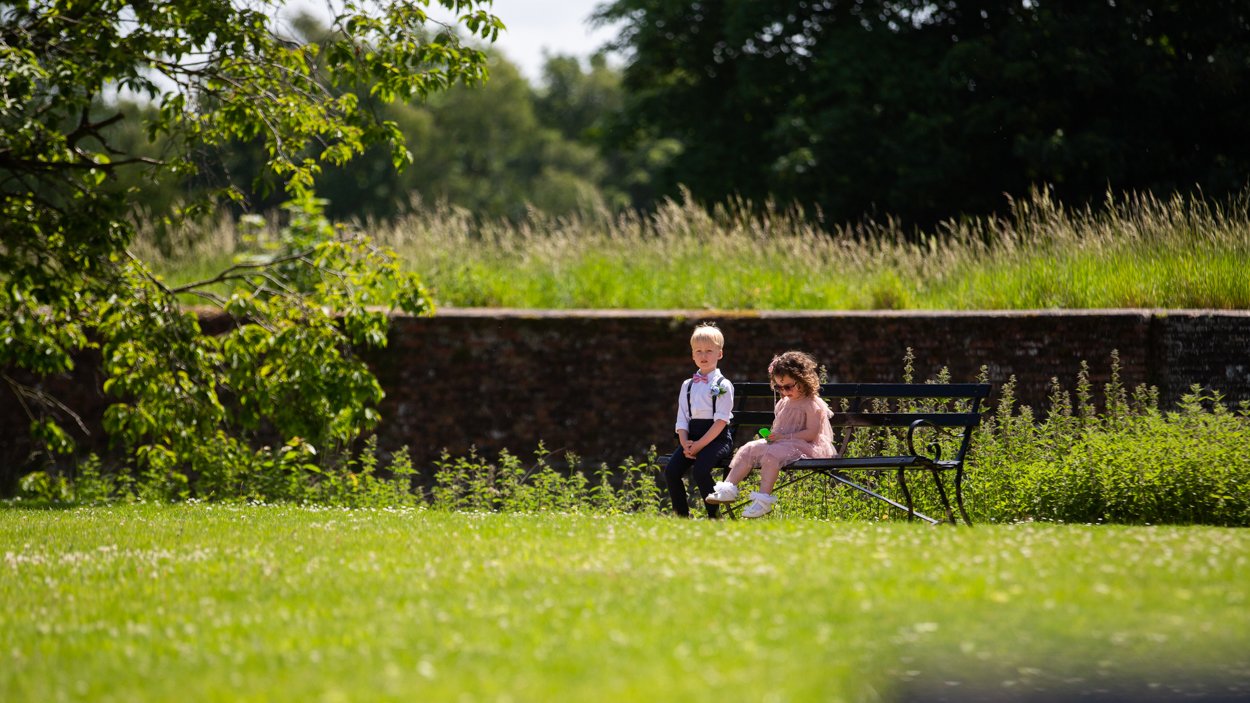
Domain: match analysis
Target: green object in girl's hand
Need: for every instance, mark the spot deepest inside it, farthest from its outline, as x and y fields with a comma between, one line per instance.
x=764, y=432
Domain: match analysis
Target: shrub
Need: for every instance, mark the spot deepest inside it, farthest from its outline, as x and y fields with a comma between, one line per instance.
x=1128, y=464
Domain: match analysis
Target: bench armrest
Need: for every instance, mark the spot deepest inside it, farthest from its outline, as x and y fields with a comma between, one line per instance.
x=933, y=447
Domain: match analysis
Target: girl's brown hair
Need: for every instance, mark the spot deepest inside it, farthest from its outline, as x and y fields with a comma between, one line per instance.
x=799, y=366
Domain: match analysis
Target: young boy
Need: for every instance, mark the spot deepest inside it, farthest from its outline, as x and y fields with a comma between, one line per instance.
x=704, y=409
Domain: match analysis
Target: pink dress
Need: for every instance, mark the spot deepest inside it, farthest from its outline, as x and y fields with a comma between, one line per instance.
x=792, y=416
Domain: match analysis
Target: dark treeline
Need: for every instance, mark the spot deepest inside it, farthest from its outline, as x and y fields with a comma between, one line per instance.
x=916, y=110
x=925, y=110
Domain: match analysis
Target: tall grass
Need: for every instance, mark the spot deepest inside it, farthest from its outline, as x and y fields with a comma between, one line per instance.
x=1134, y=251
x=282, y=603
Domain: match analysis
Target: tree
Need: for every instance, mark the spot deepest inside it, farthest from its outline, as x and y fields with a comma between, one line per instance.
x=210, y=72
x=480, y=148
x=586, y=106
x=927, y=110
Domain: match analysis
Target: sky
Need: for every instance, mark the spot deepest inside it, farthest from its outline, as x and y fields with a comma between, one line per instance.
x=557, y=26
x=533, y=26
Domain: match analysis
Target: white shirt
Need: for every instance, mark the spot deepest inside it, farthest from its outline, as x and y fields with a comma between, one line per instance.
x=701, y=400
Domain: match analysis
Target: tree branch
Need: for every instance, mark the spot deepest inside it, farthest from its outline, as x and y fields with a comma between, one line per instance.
x=230, y=273
x=23, y=391
x=87, y=128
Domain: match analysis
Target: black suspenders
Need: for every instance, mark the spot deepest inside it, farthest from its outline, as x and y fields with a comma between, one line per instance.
x=690, y=408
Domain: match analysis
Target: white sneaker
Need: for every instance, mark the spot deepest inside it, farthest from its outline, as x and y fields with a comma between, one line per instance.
x=761, y=505
x=723, y=492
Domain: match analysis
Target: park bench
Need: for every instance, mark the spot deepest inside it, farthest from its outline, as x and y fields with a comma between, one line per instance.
x=877, y=428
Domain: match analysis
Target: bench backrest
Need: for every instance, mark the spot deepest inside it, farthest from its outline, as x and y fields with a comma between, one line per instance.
x=871, y=405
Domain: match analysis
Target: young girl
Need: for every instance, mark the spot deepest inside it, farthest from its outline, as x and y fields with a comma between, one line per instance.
x=800, y=430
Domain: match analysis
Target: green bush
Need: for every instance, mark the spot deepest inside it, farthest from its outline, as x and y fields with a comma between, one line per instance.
x=1186, y=466
x=1130, y=463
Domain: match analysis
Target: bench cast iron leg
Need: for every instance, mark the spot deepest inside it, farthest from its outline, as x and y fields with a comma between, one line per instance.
x=902, y=482
x=946, y=503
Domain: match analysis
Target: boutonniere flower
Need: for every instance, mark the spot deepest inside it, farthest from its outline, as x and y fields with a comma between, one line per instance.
x=718, y=389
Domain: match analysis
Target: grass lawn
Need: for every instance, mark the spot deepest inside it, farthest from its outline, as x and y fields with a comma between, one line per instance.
x=205, y=602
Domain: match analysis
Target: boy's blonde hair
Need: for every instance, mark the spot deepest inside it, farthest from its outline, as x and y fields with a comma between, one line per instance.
x=708, y=332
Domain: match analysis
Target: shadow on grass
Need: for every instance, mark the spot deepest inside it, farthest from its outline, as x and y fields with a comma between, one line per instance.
x=1212, y=684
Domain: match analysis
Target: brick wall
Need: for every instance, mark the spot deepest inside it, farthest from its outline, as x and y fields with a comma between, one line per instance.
x=603, y=384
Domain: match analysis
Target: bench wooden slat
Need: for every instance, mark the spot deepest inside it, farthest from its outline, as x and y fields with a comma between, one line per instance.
x=757, y=389
x=754, y=418
x=906, y=461
x=903, y=419
x=763, y=418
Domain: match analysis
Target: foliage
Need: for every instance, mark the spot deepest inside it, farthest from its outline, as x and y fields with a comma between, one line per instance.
x=1123, y=461
x=291, y=474
x=924, y=111
x=486, y=149
x=1133, y=465
x=480, y=147
x=151, y=602
x=473, y=483
x=583, y=106
x=212, y=73
x=199, y=409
